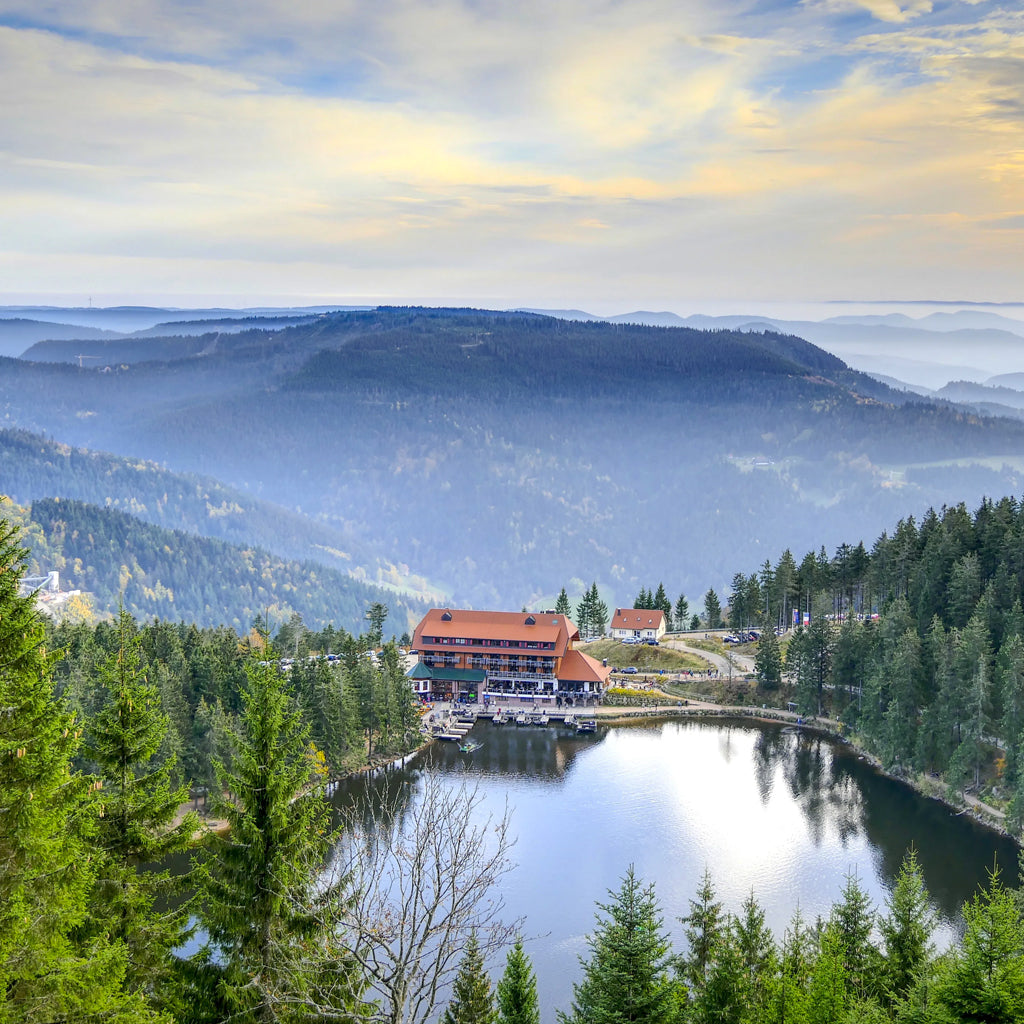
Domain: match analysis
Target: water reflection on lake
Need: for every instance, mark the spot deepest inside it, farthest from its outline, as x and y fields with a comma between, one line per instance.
x=767, y=808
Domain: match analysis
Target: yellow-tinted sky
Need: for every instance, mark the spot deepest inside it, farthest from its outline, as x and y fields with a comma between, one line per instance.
x=605, y=155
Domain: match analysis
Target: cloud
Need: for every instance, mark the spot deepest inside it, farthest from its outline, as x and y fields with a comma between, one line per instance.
x=882, y=10
x=539, y=146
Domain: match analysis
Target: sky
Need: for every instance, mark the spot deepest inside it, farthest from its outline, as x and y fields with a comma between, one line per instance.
x=596, y=154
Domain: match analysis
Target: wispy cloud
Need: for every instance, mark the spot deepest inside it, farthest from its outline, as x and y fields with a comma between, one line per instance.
x=749, y=148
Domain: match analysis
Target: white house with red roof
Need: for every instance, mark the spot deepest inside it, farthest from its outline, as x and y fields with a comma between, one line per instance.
x=498, y=654
x=638, y=624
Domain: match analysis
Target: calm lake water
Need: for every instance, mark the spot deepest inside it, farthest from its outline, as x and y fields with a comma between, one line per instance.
x=762, y=807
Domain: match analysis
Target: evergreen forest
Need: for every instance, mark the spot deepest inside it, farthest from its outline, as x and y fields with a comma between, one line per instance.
x=915, y=646
x=120, y=561
x=92, y=788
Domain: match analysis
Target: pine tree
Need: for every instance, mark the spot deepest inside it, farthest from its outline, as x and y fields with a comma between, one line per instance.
x=583, y=614
x=265, y=907
x=768, y=659
x=139, y=805
x=626, y=976
x=906, y=932
x=517, y=989
x=758, y=956
x=472, y=1000
x=598, y=611
x=705, y=929
x=983, y=979
x=712, y=610
x=682, y=612
x=562, y=606
x=47, y=971
x=853, y=920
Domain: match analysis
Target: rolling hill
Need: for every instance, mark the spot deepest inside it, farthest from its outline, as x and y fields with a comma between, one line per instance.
x=503, y=455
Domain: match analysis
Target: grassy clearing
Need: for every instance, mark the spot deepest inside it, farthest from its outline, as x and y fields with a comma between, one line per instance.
x=644, y=657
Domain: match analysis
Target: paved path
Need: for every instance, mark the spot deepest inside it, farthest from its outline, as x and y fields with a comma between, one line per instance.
x=741, y=663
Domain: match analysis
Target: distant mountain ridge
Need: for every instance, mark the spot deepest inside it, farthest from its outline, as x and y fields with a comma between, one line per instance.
x=503, y=455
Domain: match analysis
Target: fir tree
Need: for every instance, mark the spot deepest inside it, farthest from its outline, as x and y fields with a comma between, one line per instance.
x=705, y=930
x=47, y=972
x=983, y=978
x=626, y=978
x=265, y=906
x=139, y=805
x=682, y=612
x=472, y=1000
x=906, y=932
x=768, y=659
x=517, y=989
x=562, y=606
x=598, y=611
x=712, y=610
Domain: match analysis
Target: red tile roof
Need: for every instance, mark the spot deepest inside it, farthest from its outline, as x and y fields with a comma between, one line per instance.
x=638, y=618
x=481, y=625
x=578, y=667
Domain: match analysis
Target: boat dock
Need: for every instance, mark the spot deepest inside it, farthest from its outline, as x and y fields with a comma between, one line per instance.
x=452, y=724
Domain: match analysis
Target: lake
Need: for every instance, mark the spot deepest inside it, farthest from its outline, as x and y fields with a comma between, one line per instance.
x=761, y=806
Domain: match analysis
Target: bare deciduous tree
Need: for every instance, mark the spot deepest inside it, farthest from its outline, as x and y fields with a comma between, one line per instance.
x=425, y=876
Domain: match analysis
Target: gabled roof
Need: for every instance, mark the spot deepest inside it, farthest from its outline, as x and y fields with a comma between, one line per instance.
x=543, y=627
x=578, y=667
x=638, y=618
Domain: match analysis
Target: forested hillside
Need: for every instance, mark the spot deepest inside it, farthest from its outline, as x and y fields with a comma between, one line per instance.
x=172, y=575
x=501, y=455
x=100, y=741
x=32, y=467
x=935, y=683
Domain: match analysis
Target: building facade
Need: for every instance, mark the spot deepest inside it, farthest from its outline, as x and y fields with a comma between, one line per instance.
x=638, y=624
x=495, y=655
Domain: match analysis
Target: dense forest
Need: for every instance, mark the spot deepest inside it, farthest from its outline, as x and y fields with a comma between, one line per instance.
x=916, y=645
x=96, y=743
x=34, y=467
x=499, y=456
x=156, y=573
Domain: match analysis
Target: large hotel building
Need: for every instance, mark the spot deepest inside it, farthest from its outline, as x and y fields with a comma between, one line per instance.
x=500, y=654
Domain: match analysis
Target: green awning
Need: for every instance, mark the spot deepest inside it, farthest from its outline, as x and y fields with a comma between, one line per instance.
x=447, y=675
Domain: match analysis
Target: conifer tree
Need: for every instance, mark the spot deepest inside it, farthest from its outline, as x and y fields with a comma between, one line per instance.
x=47, y=972
x=265, y=907
x=853, y=921
x=682, y=612
x=906, y=932
x=705, y=930
x=472, y=1000
x=517, y=989
x=562, y=606
x=983, y=978
x=768, y=659
x=139, y=805
x=583, y=614
x=626, y=978
x=712, y=610
x=598, y=611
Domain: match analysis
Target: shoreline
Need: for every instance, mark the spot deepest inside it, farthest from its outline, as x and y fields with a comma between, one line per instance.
x=982, y=813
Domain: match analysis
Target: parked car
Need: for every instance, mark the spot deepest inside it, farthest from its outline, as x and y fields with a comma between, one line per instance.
x=730, y=639
x=653, y=643
x=630, y=670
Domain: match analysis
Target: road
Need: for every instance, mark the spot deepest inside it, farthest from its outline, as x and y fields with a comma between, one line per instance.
x=741, y=663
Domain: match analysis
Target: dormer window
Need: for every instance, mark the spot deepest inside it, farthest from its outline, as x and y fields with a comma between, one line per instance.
x=530, y=620
x=446, y=617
